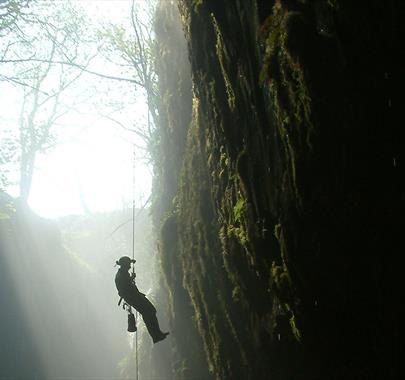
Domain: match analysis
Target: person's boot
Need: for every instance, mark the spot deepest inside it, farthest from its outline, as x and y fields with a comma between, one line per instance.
x=160, y=337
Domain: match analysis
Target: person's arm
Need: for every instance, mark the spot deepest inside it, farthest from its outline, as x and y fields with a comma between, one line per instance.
x=125, y=284
x=128, y=285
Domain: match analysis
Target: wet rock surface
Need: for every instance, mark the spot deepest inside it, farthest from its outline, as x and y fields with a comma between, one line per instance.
x=279, y=192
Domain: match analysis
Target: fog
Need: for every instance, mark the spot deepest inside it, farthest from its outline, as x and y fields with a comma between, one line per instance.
x=276, y=203
x=63, y=319
x=75, y=184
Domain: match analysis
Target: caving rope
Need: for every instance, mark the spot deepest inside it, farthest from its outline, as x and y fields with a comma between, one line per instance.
x=134, y=318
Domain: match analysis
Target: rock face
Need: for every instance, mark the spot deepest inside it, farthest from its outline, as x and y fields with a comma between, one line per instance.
x=278, y=188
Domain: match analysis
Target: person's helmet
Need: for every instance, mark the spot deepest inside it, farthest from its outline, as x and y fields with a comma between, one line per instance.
x=125, y=260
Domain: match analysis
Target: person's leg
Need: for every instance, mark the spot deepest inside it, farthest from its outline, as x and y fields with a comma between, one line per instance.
x=148, y=312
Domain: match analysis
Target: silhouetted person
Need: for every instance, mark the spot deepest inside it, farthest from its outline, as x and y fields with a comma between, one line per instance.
x=132, y=296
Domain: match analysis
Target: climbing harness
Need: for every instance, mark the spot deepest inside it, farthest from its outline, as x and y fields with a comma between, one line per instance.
x=131, y=316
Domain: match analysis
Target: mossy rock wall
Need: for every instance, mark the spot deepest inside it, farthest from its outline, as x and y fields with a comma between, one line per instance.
x=279, y=229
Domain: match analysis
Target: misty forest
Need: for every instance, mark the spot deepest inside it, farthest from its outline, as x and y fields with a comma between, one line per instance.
x=200, y=189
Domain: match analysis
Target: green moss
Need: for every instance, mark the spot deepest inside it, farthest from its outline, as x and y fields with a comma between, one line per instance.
x=281, y=284
x=168, y=247
x=283, y=76
x=278, y=233
x=239, y=233
x=239, y=209
x=219, y=259
x=296, y=332
x=196, y=5
x=222, y=57
x=283, y=125
x=237, y=220
x=236, y=293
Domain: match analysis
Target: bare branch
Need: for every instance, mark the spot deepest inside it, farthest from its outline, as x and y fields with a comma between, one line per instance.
x=20, y=83
x=81, y=67
x=135, y=217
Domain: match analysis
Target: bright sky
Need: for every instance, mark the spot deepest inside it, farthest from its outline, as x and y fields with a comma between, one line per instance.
x=94, y=162
x=96, y=166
